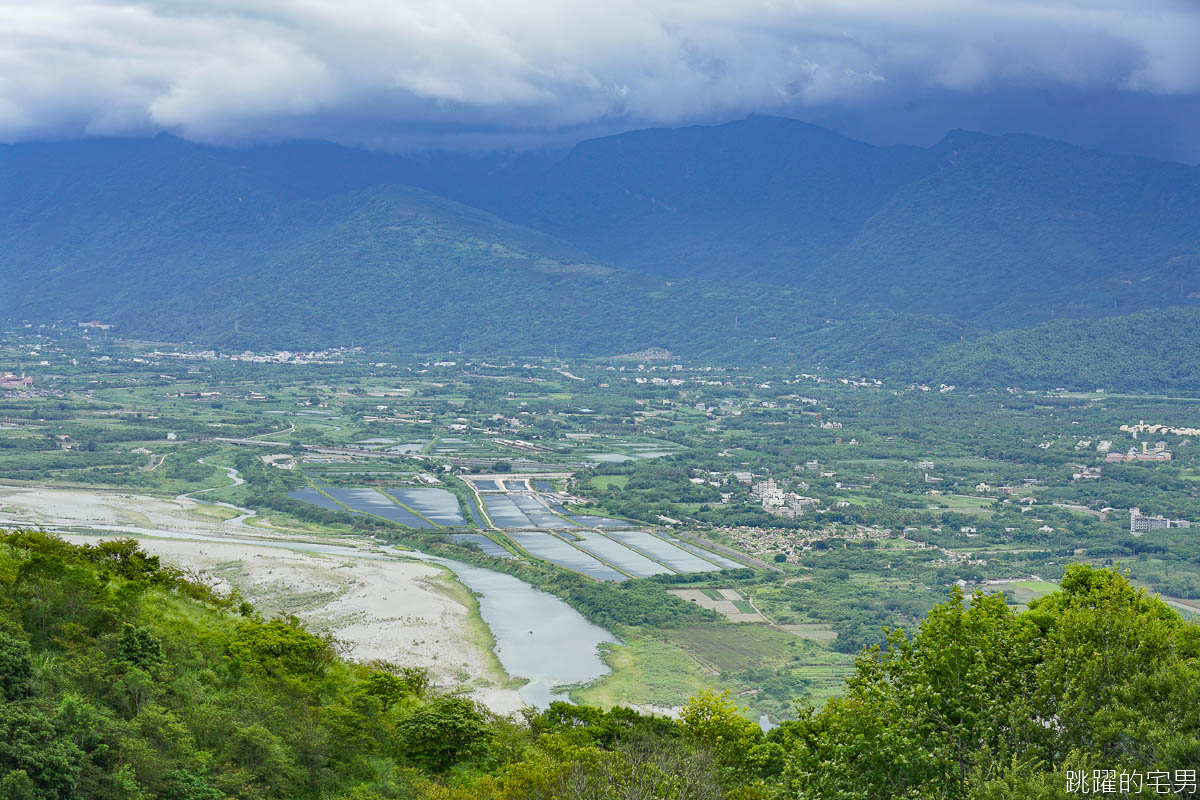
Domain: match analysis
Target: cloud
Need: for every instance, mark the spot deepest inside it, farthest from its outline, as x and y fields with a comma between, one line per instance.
x=380, y=71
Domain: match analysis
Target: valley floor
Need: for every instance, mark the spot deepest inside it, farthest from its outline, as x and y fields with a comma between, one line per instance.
x=407, y=612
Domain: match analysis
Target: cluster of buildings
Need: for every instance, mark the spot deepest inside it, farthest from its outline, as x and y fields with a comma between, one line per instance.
x=1139, y=523
x=328, y=356
x=775, y=500
x=1156, y=452
x=1142, y=427
x=10, y=380
x=766, y=542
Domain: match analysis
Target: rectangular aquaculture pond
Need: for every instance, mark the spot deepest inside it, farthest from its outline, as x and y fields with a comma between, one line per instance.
x=549, y=547
x=673, y=556
x=619, y=555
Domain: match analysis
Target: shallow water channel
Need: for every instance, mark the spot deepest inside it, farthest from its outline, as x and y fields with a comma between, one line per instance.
x=538, y=636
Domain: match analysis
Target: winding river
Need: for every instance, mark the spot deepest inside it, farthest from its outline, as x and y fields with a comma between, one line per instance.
x=538, y=636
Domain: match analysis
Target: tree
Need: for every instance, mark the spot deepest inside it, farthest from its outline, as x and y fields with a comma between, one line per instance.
x=441, y=734
x=985, y=702
x=16, y=669
x=30, y=746
x=714, y=722
x=261, y=754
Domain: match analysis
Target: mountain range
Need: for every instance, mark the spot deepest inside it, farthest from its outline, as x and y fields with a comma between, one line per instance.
x=762, y=238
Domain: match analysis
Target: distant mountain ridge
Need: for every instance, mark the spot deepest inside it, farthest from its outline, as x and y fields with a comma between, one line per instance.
x=761, y=199
x=1011, y=229
x=760, y=238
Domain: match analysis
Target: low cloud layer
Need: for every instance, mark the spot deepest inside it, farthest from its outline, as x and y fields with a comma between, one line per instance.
x=480, y=72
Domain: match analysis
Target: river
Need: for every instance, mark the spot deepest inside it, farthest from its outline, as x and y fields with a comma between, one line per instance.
x=538, y=636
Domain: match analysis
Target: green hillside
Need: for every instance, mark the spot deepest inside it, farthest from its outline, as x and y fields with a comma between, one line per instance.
x=1011, y=230
x=764, y=199
x=121, y=679
x=1146, y=350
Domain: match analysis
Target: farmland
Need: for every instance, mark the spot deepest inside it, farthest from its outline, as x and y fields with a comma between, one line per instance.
x=732, y=528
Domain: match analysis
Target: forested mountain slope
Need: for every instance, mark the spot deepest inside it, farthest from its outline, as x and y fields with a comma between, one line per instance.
x=1145, y=350
x=762, y=199
x=171, y=240
x=1010, y=229
x=225, y=259
x=1014, y=229
x=761, y=238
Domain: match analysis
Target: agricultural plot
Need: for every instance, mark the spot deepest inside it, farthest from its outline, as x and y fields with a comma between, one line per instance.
x=515, y=511
x=816, y=631
x=619, y=556
x=708, y=555
x=488, y=546
x=458, y=447
x=316, y=498
x=437, y=505
x=584, y=550
x=726, y=602
x=422, y=507
x=475, y=515
x=370, y=501
x=597, y=522
x=626, y=450
x=377, y=470
x=549, y=547
x=1024, y=591
x=735, y=648
x=664, y=552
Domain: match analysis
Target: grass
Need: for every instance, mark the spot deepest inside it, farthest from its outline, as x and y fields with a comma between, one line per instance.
x=215, y=512
x=609, y=481
x=826, y=679
x=965, y=504
x=734, y=647
x=1024, y=591
x=646, y=671
x=812, y=630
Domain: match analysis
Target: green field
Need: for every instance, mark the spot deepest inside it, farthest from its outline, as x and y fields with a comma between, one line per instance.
x=1024, y=591
x=646, y=671
x=608, y=481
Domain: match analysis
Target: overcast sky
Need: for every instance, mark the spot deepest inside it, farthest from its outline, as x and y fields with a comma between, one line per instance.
x=1117, y=74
